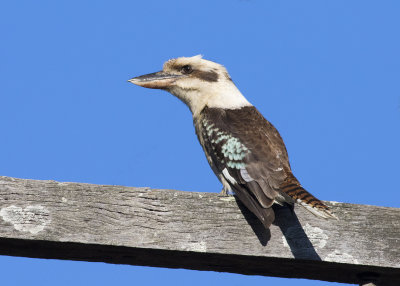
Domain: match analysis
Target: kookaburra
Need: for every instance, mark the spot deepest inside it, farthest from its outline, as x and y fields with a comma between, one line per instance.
x=244, y=150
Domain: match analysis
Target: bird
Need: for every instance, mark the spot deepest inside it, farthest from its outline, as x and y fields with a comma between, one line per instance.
x=244, y=150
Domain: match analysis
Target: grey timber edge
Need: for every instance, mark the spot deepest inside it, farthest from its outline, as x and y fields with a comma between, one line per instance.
x=202, y=231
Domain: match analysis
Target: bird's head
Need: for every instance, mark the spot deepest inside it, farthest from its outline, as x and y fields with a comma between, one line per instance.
x=197, y=82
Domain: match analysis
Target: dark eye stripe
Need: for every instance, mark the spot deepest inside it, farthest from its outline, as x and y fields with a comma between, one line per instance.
x=210, y=76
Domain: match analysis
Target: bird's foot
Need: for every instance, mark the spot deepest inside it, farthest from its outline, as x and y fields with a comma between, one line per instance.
x=224, y=193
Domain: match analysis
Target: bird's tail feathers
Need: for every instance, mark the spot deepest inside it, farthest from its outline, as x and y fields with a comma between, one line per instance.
x=307, y=200
x=320, y=210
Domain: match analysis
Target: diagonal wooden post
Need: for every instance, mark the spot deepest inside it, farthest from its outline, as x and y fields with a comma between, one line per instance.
x=203, y=231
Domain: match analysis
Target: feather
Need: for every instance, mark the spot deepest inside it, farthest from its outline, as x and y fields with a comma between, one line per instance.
x=292, y=188
x=248, y=152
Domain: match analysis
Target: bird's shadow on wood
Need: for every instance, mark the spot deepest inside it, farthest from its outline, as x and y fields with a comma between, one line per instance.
x=287, y=221
x=296, y=238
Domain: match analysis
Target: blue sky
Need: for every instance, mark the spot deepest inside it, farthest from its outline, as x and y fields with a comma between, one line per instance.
x=325, y=73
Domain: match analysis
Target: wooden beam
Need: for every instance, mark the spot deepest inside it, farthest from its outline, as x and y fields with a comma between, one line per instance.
x=203, y=231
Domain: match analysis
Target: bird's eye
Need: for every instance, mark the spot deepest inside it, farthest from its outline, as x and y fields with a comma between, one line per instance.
x=187, y=69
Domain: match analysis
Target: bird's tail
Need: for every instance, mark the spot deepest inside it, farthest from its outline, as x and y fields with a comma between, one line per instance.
x=294, y=190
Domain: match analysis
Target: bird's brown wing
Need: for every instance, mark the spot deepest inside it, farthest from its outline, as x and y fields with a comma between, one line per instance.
x=267, y=161
x=248, y=152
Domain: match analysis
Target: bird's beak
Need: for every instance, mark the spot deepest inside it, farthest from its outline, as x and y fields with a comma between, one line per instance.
x=157, y=80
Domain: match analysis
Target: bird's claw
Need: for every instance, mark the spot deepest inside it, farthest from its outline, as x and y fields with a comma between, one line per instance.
x=224, y=193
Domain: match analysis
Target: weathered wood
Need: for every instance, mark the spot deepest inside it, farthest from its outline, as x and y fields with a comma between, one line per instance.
x=203, y=231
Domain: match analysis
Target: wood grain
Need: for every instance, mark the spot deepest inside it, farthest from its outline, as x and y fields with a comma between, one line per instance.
x=203, y=231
